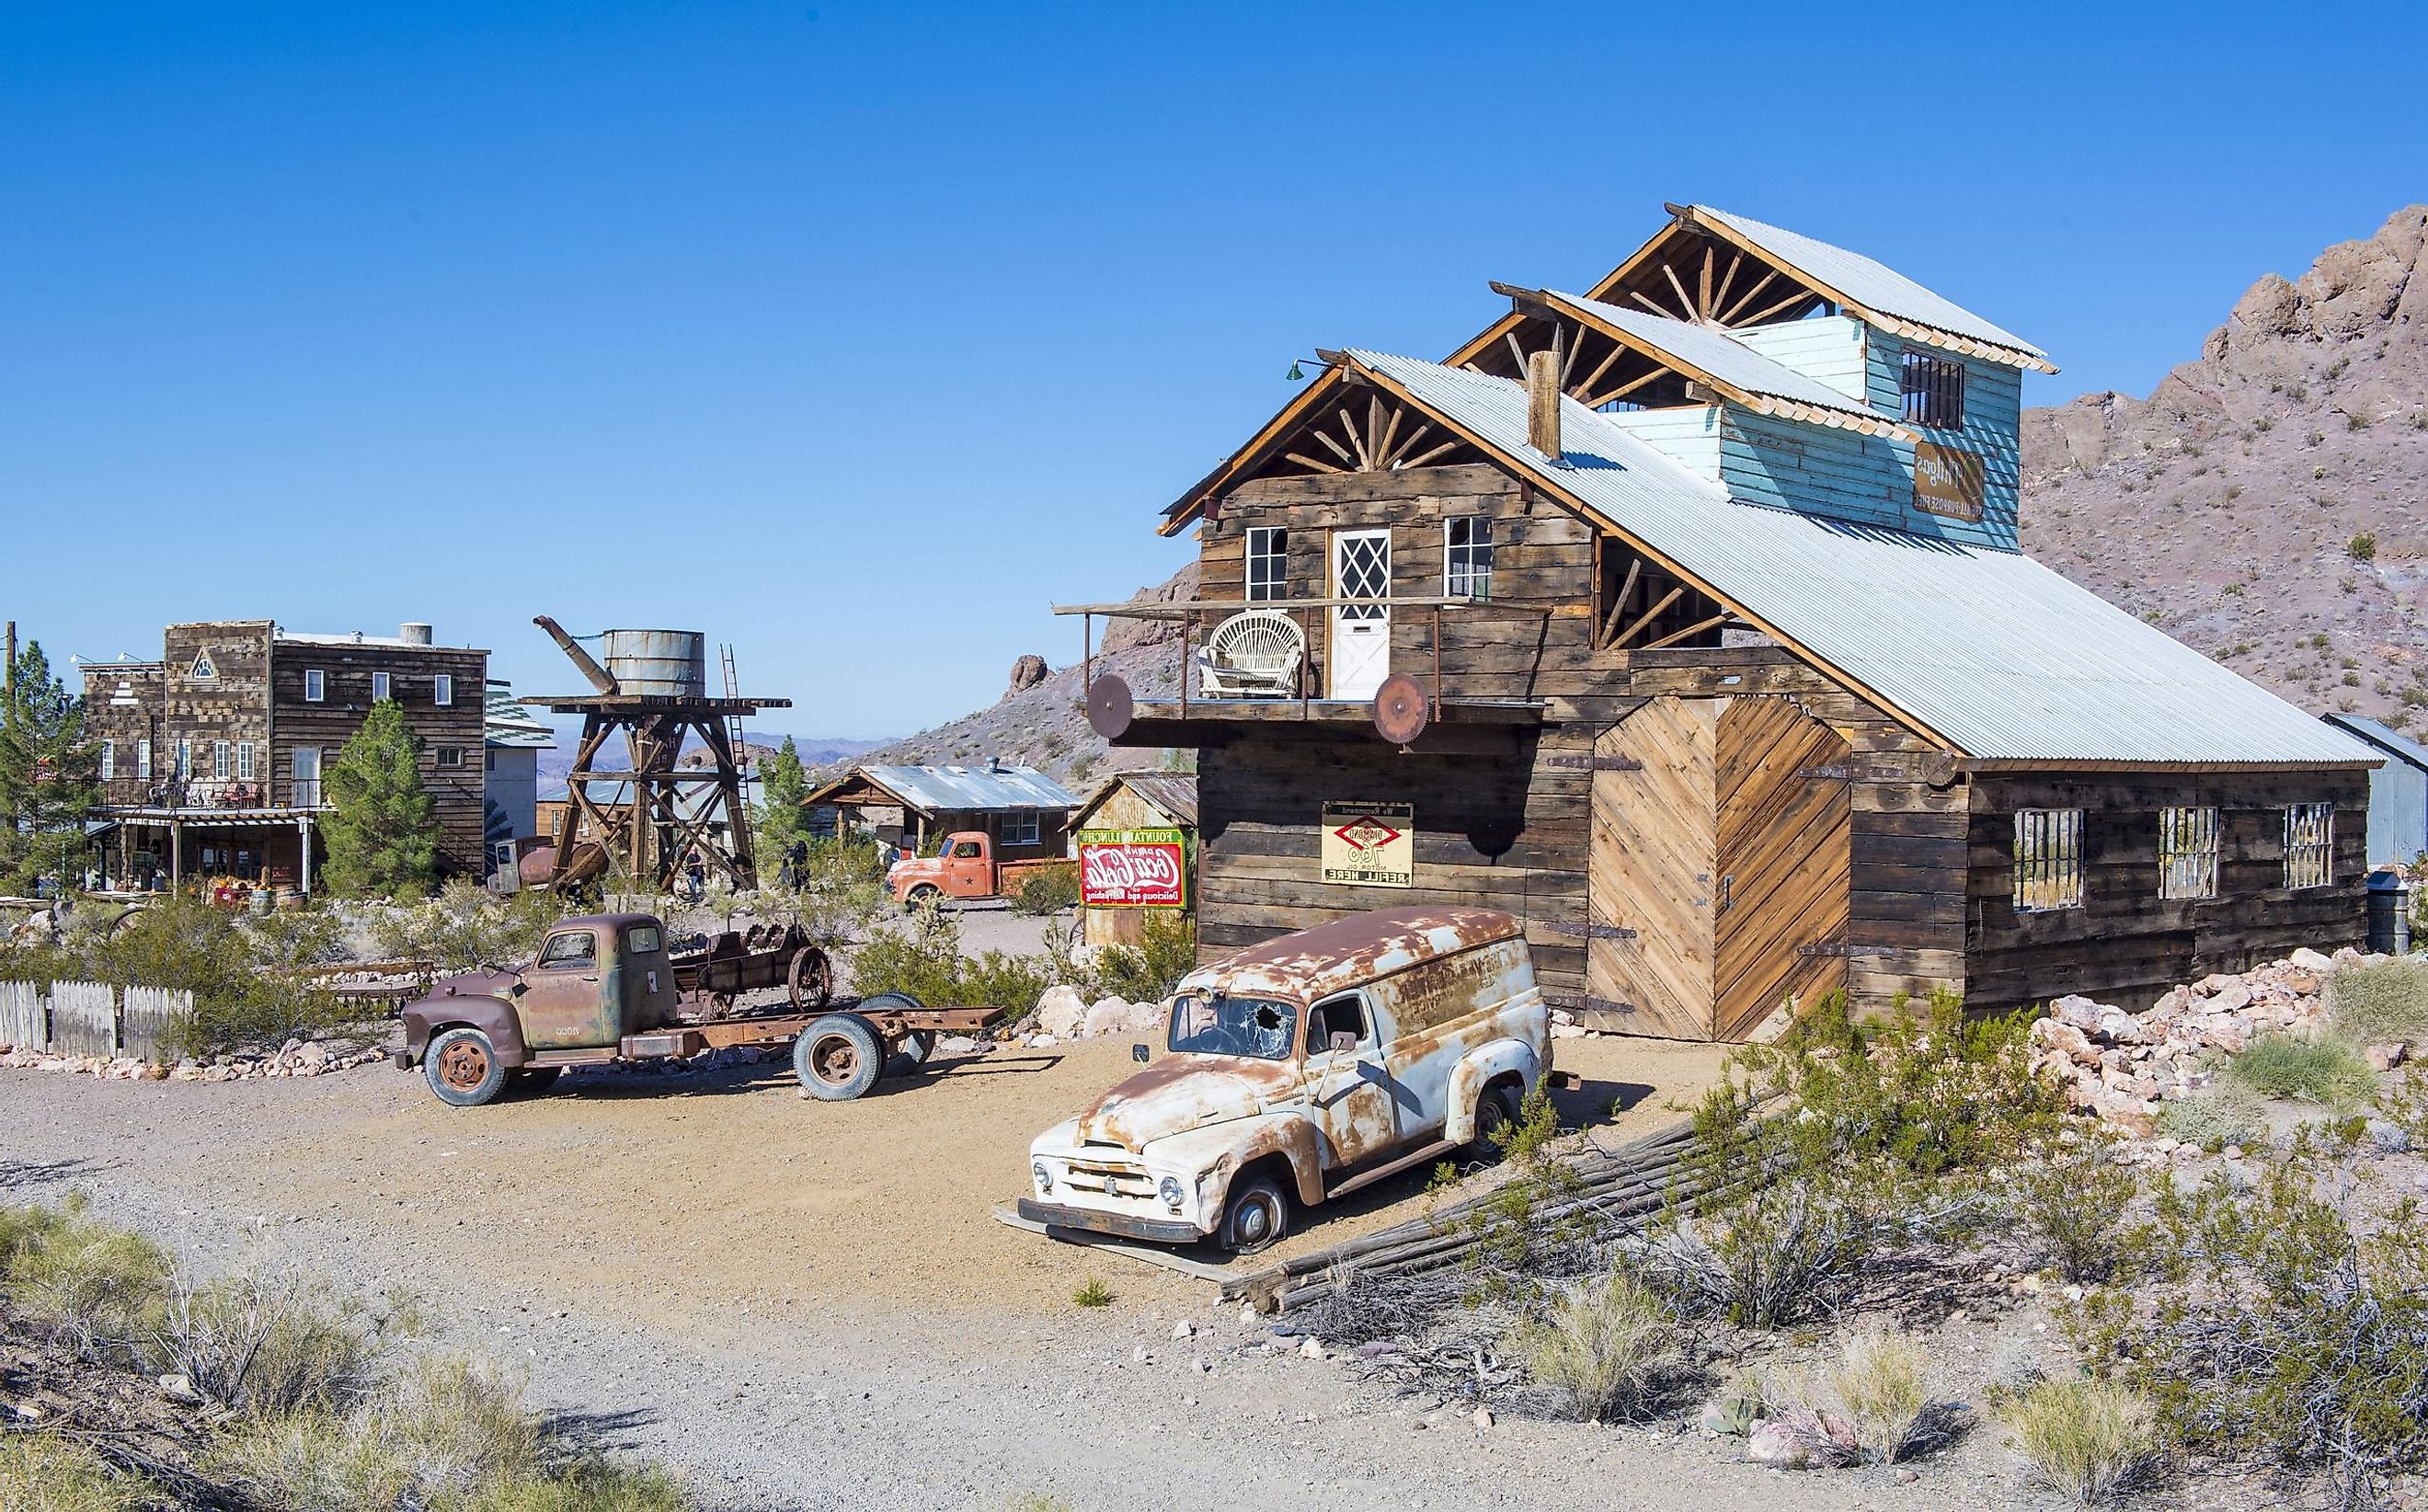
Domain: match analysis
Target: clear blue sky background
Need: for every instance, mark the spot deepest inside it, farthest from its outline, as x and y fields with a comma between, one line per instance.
x=858, y=335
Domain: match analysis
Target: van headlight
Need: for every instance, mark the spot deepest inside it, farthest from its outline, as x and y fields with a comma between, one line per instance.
x=1044, y=1177
x=1169, y=1190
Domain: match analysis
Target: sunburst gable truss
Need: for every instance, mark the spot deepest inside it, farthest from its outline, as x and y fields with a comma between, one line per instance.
x=1710, y=268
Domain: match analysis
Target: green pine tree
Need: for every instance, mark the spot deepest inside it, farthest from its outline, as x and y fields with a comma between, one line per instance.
x=381, y=827
x=780, y=820
x=50, y=773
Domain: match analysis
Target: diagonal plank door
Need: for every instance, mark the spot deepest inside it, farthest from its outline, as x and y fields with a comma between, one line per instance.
x=1783, y=856
x=1651, y=863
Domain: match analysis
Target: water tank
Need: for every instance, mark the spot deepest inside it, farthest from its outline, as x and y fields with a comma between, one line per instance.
x=670, y=664
x=2389, y=913
x=413, y=632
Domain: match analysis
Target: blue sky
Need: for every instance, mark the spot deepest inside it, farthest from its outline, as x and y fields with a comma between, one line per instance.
x=857, y=334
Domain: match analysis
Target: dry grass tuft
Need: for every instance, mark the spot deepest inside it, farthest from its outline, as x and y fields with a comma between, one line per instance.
x=1603, y=1346
x=42, y=1473
x=2089, y=1439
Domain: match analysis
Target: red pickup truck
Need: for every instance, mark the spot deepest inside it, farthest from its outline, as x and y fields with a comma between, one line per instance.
x=963, y=866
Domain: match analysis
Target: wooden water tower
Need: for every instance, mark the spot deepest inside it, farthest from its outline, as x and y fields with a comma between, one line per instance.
x=640, y=823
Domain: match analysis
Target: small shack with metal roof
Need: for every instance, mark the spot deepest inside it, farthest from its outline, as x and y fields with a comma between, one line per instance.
x=1686, y=618
x=1135, y=819
x=1024, y=812
x=2397, y=792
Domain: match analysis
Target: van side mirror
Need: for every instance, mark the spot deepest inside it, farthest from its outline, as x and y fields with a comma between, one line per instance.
x=1344, y=1040
x=1138, y=1053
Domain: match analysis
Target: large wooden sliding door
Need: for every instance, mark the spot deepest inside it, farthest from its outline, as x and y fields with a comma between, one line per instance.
x=1650, y=956
x=1783, y=785
x=1718, y=881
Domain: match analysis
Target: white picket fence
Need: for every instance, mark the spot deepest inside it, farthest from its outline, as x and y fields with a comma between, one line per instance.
x=89, y=1018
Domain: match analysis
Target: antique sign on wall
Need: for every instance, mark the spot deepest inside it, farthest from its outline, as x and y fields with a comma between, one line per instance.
x=1369, y=845
x=1133, y=869
x=1947, y=482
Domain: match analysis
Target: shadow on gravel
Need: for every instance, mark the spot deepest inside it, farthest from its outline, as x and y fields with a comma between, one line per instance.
x=14, y=1174
x=602, y=1430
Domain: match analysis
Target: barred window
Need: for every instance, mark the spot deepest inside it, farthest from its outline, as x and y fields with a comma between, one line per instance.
x=1466, y=564
x=1934, y=391
x=1268, y=562
x=2048, y=859
x=2309, y=843
x=2188, y=853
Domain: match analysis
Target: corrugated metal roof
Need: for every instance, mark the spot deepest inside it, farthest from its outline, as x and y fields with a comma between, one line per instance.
x=2384, y=736
x=1721, y=355
x=1867, y=282
x=938, y=788
x=2001, y=656
x=1175, y=793
x=507, y=722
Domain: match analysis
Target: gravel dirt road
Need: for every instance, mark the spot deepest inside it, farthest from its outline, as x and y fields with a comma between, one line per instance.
x=806, y=1305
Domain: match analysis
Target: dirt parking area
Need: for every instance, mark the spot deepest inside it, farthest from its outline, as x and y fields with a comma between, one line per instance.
x=807, y=1304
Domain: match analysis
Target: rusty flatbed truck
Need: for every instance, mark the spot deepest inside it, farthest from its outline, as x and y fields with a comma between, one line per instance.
x=607, y=988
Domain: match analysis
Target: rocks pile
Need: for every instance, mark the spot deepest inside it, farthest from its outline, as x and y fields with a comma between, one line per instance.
x=296, y=1057
x=2122, y=1065
x=1063, y=1014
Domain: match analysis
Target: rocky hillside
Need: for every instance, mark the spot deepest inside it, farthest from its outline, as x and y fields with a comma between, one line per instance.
x=1041, y=719
x=2269, y=503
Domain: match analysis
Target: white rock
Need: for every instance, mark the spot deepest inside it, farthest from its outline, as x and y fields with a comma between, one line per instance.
x=1060, y=1011
x=1312, y=1349
x=1183, y=1329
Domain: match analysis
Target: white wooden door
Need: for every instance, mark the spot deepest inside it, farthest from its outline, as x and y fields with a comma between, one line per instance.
x=1361, y=630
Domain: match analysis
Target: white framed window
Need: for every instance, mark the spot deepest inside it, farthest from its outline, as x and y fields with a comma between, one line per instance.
x=316, y=684
x=108, y=759
x=2188, y=853
x=306, y=762
x=442, y=690
x=451, y=757
x=1268, y=562
x=218, y=761
x=244, y=761
x=379, y=686
x=2310, y=845
x=1020, y=827
x=144, y=759
x=185, y=760
x=1467, y=557
x=2048, y=859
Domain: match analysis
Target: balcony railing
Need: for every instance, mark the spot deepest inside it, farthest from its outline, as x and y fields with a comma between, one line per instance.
x=187, y=792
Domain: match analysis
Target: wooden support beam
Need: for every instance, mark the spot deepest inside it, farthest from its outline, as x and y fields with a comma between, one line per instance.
x=1618, y=604
x=1695, y=628
x=1650, y=614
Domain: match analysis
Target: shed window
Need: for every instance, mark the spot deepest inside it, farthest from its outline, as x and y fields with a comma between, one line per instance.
x=2048, y=859
x=1268, y=562
x=1466, y=569
x=2188, y=853
x=316, y=684
x=1020, y=829
x=450, y=756
x=379, y=686
x=442, y=690
x=2309, y=843
x=1934, y=391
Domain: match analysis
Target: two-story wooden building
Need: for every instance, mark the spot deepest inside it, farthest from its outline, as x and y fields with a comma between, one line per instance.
x=211, y=756
x=1686, y=618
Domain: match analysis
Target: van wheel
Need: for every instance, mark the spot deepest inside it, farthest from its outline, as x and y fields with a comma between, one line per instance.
x=1496, y=1109
x=1257, y=1217
x=838, y=1057
x=463, y=1068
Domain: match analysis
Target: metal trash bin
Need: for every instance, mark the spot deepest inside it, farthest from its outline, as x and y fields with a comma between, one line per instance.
x=2389, y=913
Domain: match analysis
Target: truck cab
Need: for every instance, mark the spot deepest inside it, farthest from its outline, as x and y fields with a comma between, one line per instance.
x=595, y=980
x=1300, y=1069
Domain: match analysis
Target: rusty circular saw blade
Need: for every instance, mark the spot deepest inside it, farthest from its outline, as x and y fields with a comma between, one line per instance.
x=1400, y=709
x=1110, y=708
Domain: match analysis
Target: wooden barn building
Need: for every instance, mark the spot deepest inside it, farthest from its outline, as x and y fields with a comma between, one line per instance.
x=1686, y=618
x=1025, y=813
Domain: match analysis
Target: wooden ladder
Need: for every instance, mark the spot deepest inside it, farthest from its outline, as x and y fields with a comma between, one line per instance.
x=733, y=718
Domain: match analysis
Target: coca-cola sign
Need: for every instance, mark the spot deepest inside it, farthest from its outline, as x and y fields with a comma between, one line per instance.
x=1133, y=869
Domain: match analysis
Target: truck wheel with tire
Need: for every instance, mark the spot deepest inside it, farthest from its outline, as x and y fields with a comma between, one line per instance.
x=1256, y=1216
x=927, y=895
x=838, y=1057
x=1496, y=1109
x=463, y=1068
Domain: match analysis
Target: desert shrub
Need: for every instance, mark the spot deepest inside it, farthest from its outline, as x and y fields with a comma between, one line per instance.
x=587, y=1484
x=2377, y=1002
x=1148, y=970
x=465, y=925
x=2072, y=1204
x=1603, y=1346
x=1882, y=1377
x=272, y=1345
x=923, y=957
x=2363, y=547
x=91, y=1289
x=1783, y=1253
x=1092, y=1292
x=2227, y=1113
x=2327, y=1072
x=2263, y=1328
x=840, y=891
x=1047, y=889
x=295, y=937
x=42, y=1472
x=2092, y=1440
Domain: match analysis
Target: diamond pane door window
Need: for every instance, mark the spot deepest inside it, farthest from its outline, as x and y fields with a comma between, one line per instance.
x=1361, y=629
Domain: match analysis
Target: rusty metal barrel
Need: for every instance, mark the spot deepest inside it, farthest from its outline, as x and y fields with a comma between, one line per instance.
x=671, y=664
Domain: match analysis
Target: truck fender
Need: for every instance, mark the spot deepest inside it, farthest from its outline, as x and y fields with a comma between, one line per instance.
x=1485, y=1064
x=1222, y=1151
x=492, y=1016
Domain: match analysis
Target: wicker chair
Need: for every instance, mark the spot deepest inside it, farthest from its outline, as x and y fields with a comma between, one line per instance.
x=1255, y=654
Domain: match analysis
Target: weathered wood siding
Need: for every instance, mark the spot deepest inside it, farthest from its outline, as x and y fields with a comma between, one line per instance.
x=2127, y=943
x=459, y=727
